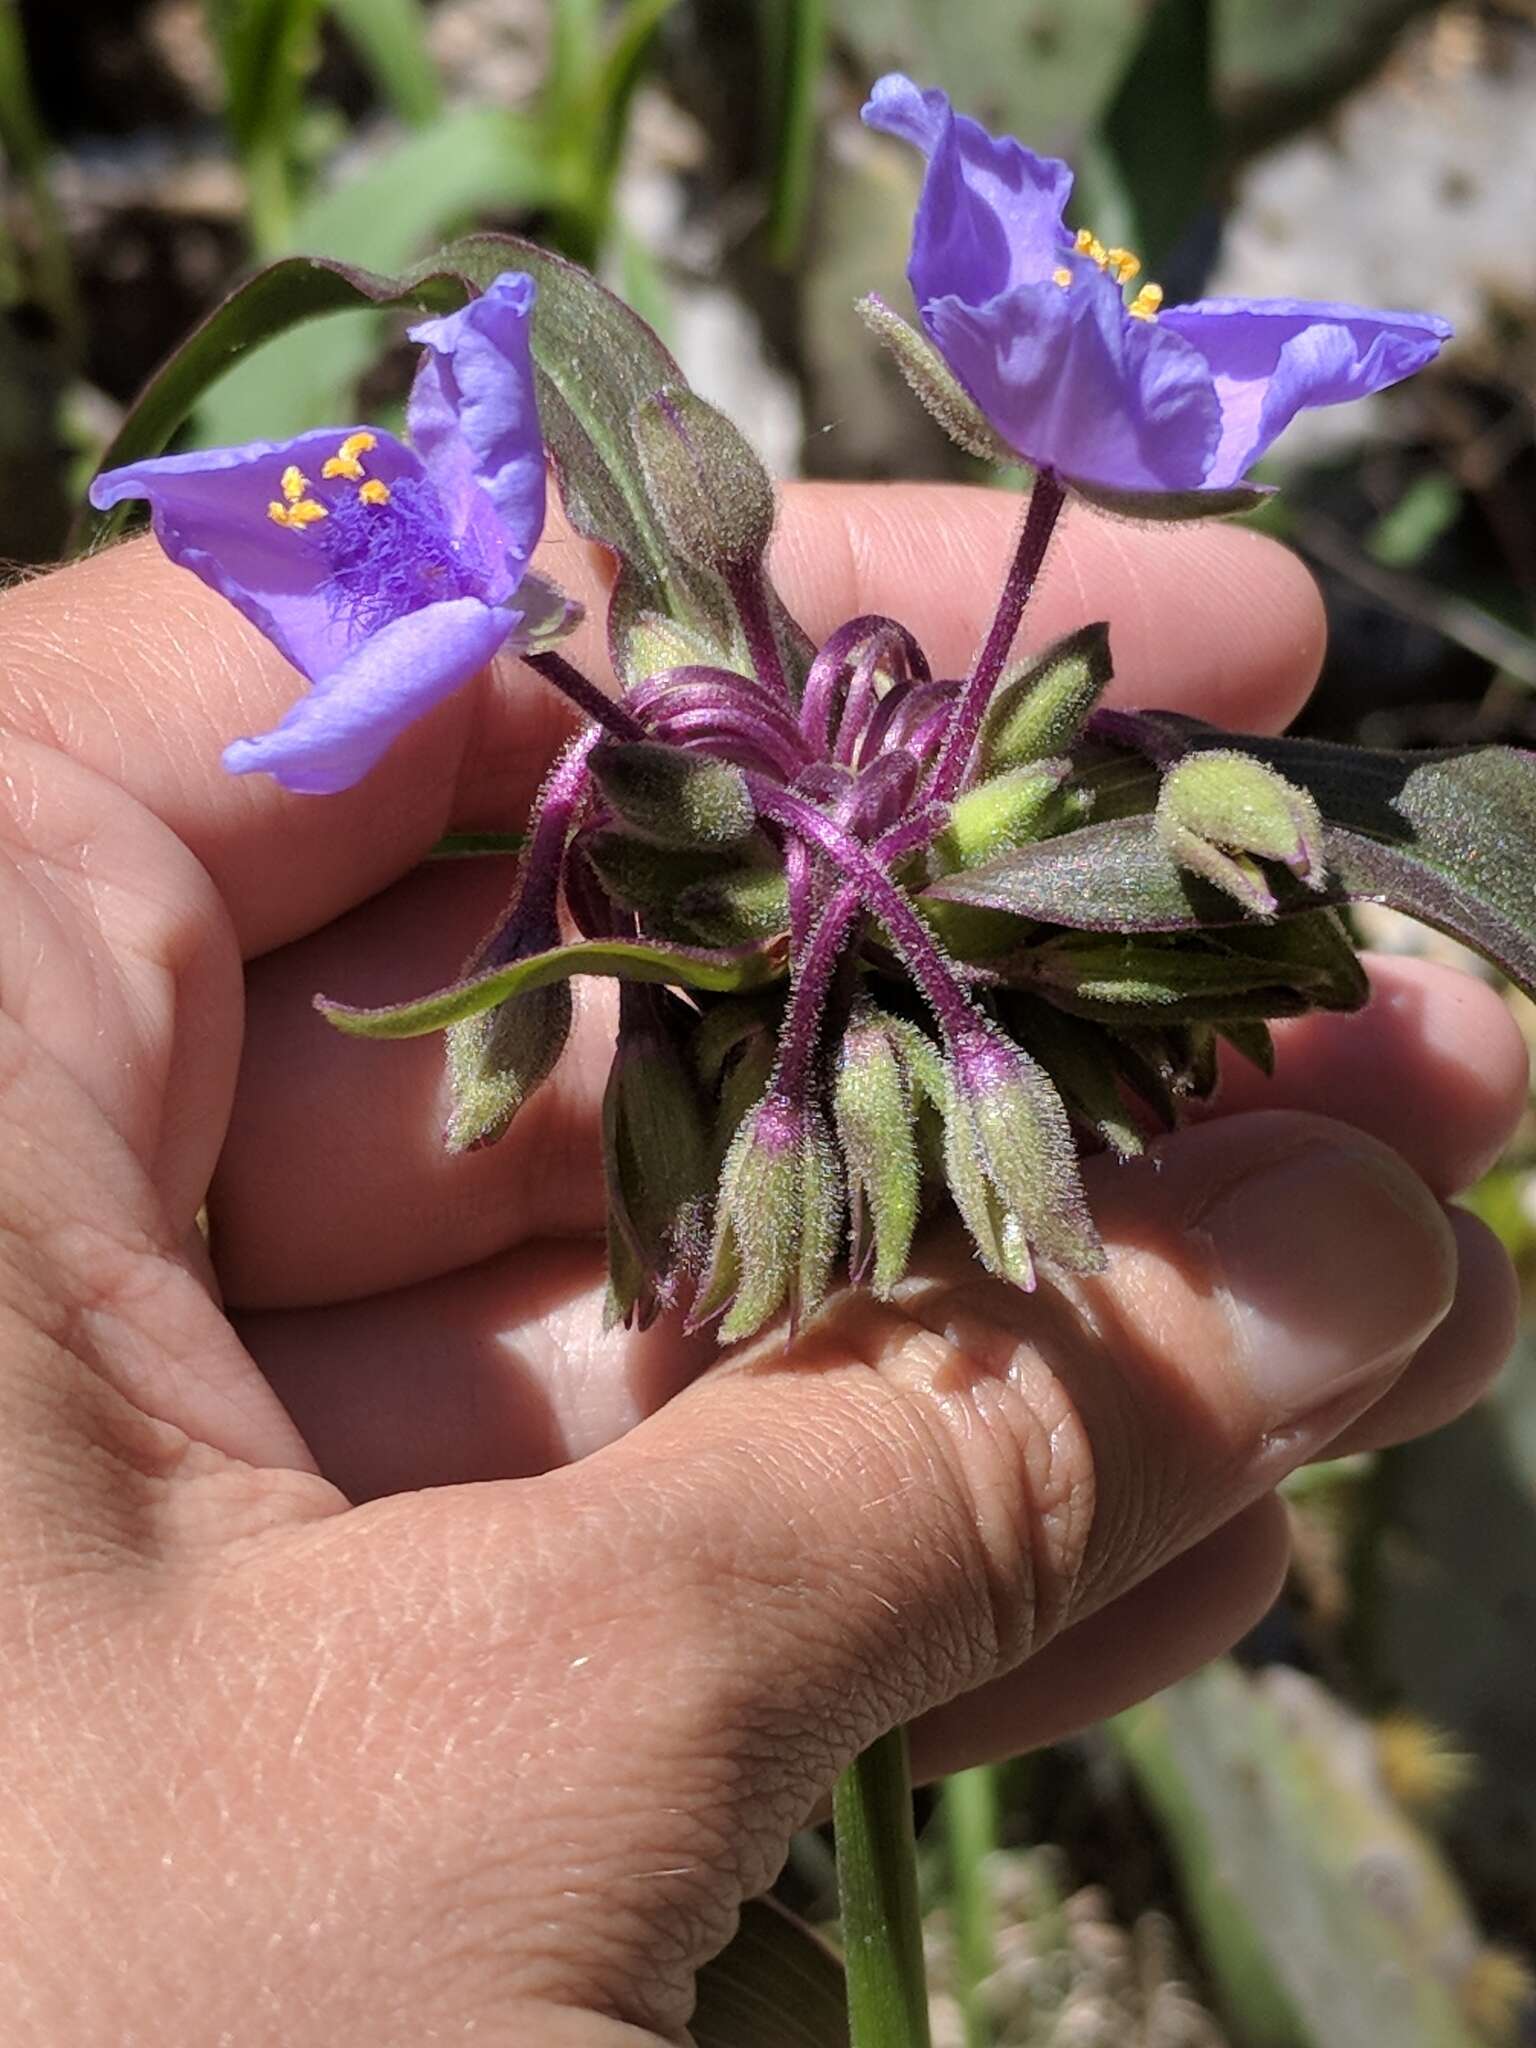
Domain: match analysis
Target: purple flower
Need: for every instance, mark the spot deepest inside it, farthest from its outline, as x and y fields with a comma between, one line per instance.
x=1114, y=394
x=388, y=575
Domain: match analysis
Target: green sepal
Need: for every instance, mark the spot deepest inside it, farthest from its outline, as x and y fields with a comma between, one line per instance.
x=1039, y=710
x=711, y=494
x=934, y=384
x=873, y=1116
x=1168, y=505
x=671, y=796
x=1255, y=1041
x=724, y=969
x=498, y=1057
x=1007, y=810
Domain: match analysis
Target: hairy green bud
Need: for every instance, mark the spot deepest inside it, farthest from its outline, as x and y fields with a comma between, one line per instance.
x=1007, y=811
x=873, y=1112
x=1039, y=710
x=776, y=1219
x=712, y=495
x=673, y=797
x=655, y=1158
x=497, y=1059
x=1218, y=809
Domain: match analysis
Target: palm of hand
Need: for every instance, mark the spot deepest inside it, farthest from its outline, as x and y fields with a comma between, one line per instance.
x=487, y=1749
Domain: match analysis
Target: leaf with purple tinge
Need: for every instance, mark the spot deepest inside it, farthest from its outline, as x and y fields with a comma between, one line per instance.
x=1444, y=837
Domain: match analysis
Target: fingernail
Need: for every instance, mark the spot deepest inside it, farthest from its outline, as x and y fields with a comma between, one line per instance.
x=1336, y=1262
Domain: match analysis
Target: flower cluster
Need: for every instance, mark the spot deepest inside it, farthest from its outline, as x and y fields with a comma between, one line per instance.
x=886, y=939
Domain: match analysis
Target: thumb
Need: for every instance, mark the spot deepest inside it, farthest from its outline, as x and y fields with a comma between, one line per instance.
x=822, y=1540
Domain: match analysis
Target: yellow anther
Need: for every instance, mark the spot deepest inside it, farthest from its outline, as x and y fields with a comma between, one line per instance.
x=1084, y=241
x=293, y=483
x=300, y=513
x=345, y=461
x=374, y=492
x=1123, y=264
x=1146, y=302
x=1061, y=276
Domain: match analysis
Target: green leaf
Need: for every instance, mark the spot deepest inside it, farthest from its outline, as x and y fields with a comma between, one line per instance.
x=1449, y=838
x=777, y=1985
x=390, y=37
x=267, y=48
x=721, y=969
x=1161, y=128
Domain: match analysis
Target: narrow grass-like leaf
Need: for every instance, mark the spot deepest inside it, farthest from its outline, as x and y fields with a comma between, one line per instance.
x=390, y=37
x=724, y=970
x=425, y=187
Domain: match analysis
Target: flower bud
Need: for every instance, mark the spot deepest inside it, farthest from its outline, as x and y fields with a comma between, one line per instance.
x=931, y=381
x=1011, y=1162
x=872, y=1108
x=1217, y=809
x=712, y=496
x=671, y=796
x=1039, y=710
x=655, y=1159
x=776, y=1219
x=1006, y=811
x=498, y=1058
x=729, y=898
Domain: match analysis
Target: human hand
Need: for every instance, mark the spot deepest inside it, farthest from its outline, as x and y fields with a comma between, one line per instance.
x=501, y=1759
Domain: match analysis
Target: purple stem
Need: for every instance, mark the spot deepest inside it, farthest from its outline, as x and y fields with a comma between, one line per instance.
x=728, y=734
x=587, y=697
x=1045, y=503
x=531, y=923
x=749, y=594
x=879, y=894
x=818, y=963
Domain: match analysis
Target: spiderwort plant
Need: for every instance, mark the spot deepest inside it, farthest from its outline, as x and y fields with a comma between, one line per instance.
x=888, y=940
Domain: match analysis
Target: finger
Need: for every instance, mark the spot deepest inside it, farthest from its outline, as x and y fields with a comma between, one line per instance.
x=832, y=1538
x=351, y=1132
x=501, y=1372
x=1435, y=1066
x=136, y=669
x=1459, y=1361
x=1172, y=1623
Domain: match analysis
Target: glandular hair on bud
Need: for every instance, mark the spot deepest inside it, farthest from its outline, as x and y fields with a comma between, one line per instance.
x=934, y=384
x=1039, y=710
x=994, y=817
x=671, y=796
x=874, y=1116
x=712, y=496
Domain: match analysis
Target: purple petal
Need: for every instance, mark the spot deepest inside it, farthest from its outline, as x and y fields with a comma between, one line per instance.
x=209, y=511
x=1079, y=387
x=990, y=212
x=1272, y=357
x=473, y=417
x=335, y=734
